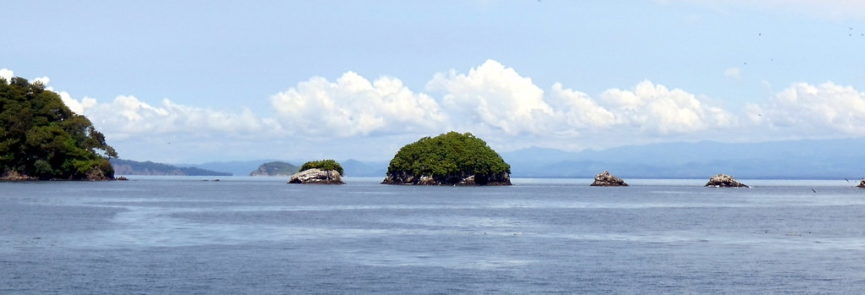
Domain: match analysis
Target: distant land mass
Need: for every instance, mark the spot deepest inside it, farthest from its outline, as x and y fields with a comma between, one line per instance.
x=275, y=168
x=794, y=159
x=353, y=168
x=800, y=159
x=129, y=167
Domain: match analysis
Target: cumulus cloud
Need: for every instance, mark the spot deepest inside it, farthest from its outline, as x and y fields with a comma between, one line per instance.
x=492, y=100
x=813, y=110
x=126, y=116
x=352, y=105
x=579, y=111
x=6, y=74
x=657, y=109
x=496, y=96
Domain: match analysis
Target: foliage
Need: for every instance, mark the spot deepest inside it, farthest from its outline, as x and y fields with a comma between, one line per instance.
x=41, y=137
x=448, y=155
x=323, y=165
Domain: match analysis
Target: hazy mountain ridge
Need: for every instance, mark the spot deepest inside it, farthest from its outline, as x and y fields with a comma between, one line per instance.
x=800, y=159
x=812, y=159
x=130, y=167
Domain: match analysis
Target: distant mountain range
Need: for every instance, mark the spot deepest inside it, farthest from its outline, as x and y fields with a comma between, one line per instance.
x=129, y=167
x=352, y=168
x=275, y=168
x=802, y=159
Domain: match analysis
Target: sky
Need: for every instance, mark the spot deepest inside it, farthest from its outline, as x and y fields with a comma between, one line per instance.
x=200, y=81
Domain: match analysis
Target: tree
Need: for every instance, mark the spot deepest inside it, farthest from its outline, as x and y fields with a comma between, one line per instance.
x=448, y=158
x=323, y=165
x=41, y=137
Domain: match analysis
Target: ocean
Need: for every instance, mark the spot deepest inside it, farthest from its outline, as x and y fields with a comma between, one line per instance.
x=245, y=235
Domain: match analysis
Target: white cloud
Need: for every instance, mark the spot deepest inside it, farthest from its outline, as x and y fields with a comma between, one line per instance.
x=733, y=73
x=579, y=111
x=495, y=96
x=491, y=100
x=352, y=105
x=6, y=74
x=657, y=109
x=44, y=80
x=813, y=110
x=127, y=116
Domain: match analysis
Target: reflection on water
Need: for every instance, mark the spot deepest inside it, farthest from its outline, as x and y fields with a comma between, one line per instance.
x=536, y=236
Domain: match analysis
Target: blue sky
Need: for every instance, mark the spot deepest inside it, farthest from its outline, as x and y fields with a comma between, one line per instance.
x=193, y=81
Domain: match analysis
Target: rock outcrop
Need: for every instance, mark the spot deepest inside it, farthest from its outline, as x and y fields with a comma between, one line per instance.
x=409, y=179
x=862, y=183
x=317, y=176
x=94, y=174
x=607, y=179
x=15, y=176
x=724, y=180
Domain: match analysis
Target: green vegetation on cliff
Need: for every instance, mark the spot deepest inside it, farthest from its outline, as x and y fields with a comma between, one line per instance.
x=447, y=158
x=41, y=138
x=323, y=165
x=275, y=168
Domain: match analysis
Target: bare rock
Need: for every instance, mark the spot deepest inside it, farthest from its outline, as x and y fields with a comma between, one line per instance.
x=15, y=176
x=607, y=179
x=405, y=178
x=316, y=176
x=724, y=180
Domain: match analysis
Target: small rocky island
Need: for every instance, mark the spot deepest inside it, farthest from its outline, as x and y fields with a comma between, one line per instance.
x=862, y=183
x=275, y=168
x=42, y=139
x=448, y=159
x=724, y=180
x=607, y=179
x=318, y=172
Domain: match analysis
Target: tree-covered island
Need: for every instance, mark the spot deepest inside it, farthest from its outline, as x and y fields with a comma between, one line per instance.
x=41, y=138
x=448, y=159
x=319, y=172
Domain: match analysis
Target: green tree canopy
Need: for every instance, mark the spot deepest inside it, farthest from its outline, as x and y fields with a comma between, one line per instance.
x=449, y=155
x=323, y=165
x=40, y=137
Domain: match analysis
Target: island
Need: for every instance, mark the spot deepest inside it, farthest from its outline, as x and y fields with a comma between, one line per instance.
x=448, y=159
x=607, y=179
x=42, y=139
x=862, y=183
x=130, y=167
x=275, y=168
x=318, y=172
x=724, y=180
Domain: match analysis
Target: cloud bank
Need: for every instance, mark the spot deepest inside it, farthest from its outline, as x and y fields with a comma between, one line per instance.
x=491, y=100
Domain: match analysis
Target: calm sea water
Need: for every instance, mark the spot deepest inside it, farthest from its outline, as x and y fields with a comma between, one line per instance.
x=262, y=236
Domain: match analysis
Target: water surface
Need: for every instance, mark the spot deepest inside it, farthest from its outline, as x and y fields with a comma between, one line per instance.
x=262, y=236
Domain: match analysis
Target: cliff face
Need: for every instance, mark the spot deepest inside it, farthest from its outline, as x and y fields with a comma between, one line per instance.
x=316, y=176
x=448, y=159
